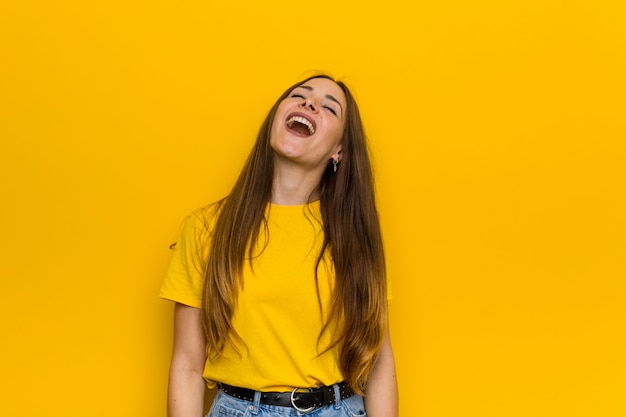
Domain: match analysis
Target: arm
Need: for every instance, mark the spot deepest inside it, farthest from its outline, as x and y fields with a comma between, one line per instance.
x=185, y=396
x=381, y=394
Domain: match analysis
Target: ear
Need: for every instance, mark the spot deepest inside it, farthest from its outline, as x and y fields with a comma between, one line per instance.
x=337, y=155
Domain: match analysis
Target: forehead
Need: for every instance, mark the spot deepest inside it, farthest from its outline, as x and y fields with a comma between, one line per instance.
x=326, y=87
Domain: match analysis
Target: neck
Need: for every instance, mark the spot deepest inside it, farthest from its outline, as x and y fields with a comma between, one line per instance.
x=294, y=185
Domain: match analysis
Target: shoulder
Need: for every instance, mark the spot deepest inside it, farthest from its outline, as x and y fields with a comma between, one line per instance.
x=200, y=223
x=206, y=215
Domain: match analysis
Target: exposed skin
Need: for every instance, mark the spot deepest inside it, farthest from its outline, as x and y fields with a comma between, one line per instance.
x=300, y=160
x=381, y=394
x=186, y=385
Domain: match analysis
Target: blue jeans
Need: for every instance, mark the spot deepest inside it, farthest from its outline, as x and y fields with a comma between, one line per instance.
x=226, y=406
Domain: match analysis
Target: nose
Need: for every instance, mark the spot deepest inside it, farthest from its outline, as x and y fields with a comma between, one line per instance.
x=309, y=104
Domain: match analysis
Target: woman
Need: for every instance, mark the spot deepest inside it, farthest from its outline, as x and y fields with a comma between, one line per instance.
x=280, y=289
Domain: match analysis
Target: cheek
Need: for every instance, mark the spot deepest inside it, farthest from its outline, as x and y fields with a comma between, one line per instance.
x=338, y=132
x=273, y=132
x=279, y=118
x=276, y=131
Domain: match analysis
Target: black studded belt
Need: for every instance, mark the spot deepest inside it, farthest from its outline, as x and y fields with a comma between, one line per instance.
x=303, y=400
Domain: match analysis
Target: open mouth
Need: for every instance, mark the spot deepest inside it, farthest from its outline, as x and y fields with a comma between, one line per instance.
x=301, y=125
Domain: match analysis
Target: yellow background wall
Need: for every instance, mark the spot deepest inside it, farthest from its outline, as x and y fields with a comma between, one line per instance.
x=498, y=131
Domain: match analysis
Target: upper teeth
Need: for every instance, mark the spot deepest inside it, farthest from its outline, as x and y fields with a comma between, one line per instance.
x=303, y=121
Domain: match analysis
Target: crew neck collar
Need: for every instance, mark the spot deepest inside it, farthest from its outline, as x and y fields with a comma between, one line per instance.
x=287, y=206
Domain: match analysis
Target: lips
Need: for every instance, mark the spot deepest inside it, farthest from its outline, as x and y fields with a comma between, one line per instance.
x=300, y=124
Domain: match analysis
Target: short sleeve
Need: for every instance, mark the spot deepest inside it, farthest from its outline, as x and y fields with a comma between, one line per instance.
x=184, y=280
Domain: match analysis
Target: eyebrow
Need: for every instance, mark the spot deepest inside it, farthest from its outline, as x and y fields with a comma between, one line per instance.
x=328, y=96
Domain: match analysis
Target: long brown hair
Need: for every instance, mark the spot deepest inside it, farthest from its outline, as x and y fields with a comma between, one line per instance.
x=352, y=236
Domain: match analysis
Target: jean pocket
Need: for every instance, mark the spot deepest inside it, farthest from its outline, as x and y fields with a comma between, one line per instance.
x=354, y=406
x=227, y=406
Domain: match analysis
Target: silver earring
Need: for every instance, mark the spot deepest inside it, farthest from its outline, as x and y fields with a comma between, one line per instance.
x=335, y=162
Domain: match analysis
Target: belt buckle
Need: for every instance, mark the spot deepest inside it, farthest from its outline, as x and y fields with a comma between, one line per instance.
x=293, y=403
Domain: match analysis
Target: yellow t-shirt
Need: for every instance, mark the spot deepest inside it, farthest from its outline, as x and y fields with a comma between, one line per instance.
x=278, y=315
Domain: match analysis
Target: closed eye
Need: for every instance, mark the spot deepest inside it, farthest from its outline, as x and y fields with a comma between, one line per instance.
x=297, y=95
x=330, y=109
